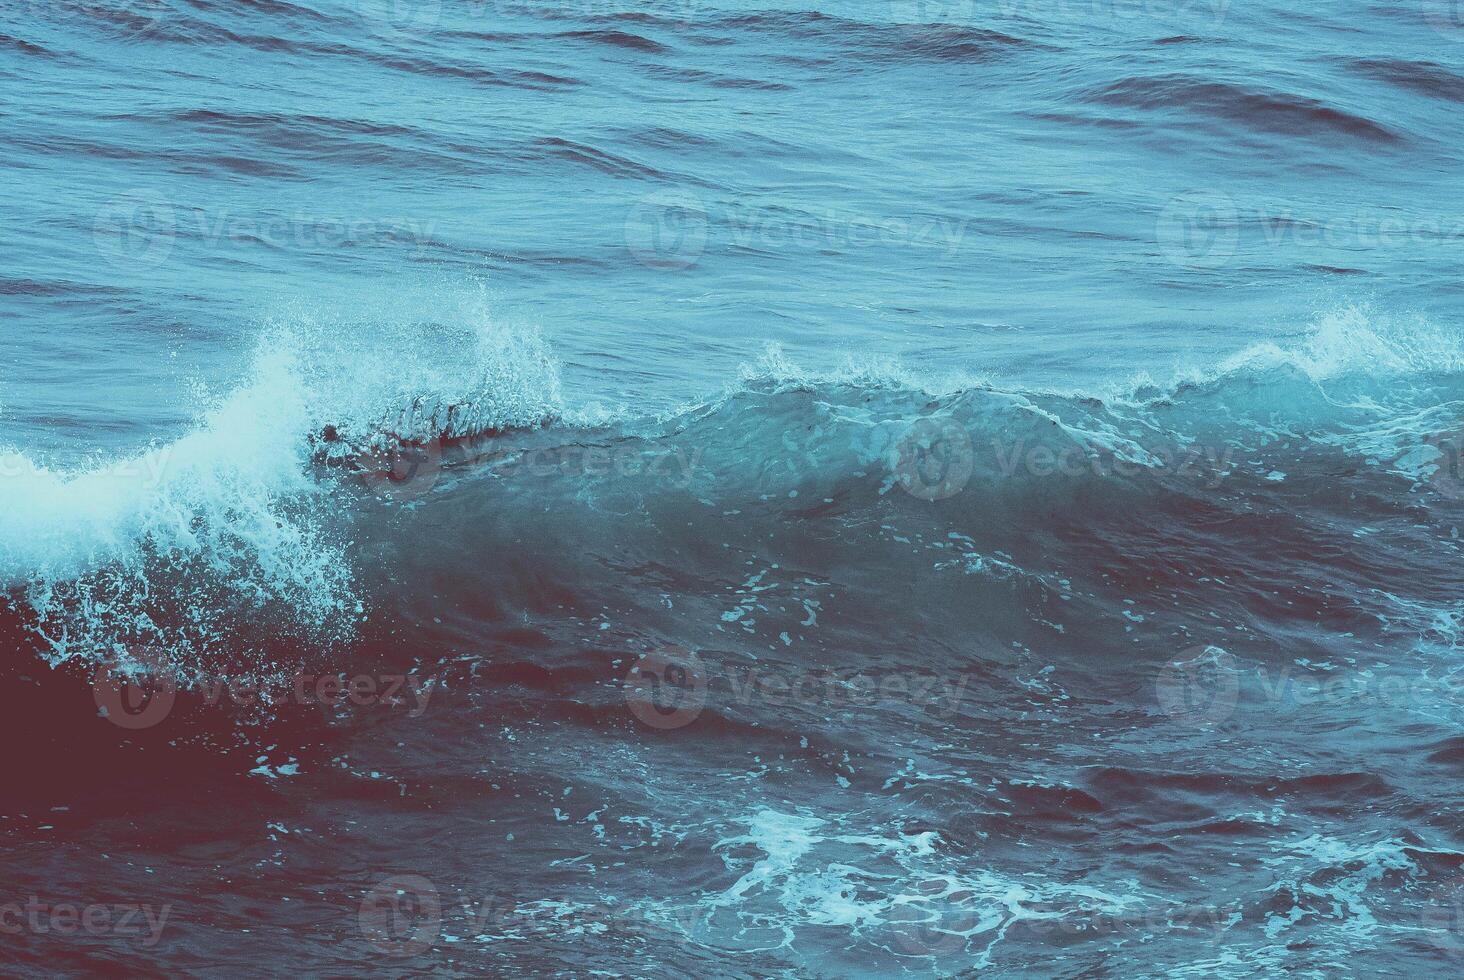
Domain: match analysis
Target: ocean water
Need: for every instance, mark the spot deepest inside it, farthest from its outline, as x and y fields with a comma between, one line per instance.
x=680, y=487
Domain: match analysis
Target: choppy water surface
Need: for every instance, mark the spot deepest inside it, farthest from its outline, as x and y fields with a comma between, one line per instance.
x=736, y=488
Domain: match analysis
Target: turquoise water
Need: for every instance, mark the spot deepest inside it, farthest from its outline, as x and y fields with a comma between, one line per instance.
x=993, y=188
x=921, y=487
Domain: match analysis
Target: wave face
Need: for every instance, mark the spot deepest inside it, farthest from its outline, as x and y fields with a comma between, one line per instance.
x=517, y=495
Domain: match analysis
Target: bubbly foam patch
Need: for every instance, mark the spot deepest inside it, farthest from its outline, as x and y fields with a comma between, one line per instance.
x=420, y=364
x=230, y=532
x=1359, y=340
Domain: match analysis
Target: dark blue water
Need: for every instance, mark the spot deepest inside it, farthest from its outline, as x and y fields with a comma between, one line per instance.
x=780, y=489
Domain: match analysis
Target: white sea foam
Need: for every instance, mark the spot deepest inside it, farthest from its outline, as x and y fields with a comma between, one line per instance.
x=160, y=548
